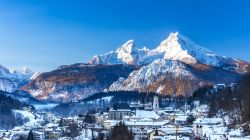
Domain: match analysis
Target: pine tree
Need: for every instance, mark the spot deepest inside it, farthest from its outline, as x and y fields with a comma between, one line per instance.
x=100, y=136
x=31, y=136
x=21, y=138
x=213, y=108
x=244, y=93
x=89, y=119
x=190, y=119
x=61, y=122
x=73, y=130
x=121, y=132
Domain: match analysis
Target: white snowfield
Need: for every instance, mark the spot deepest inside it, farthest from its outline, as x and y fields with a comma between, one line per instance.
x=9, y=79
x=44, y=106
x=24, y=73
x=170, y=57
x=146, y=114
x=149, y=74
x=174, y=47
x=26, y=115
x=7, y=85
x=35, y=75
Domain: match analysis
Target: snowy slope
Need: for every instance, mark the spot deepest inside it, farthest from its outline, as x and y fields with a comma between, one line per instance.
x=177, y=66
x=8, y=84
x=128, y=53
x=10, y=80
x=34, y=76
x=27, y=116
x=171, y=77
x=178, y=47
x=174, y=47
x=117, y=84
x=75, y=82
x=22, y=74
x=148, y=76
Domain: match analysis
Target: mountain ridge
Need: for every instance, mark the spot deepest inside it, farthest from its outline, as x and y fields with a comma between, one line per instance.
x=11, y=80
x=173, y=78
x=176, y=67
x=76, y=81
x=174, y=47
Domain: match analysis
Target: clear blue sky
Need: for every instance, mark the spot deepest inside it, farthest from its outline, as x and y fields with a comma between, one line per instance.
x=44, y=34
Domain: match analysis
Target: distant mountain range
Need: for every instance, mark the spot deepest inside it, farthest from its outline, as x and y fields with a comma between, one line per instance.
x=11, y=80
x=175, y=47
x=177, y=66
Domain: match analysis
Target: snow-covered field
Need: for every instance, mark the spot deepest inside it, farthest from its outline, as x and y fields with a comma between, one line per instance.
x=105, y=99
x=26, y=115
x=46, y=106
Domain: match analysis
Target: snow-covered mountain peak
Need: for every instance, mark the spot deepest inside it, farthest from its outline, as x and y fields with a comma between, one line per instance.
x=144, y=49
x=128, y=52
x=11, y=79
x=177, y=42
x=22, y=74
x=179, y=47
x=4, y=71
x=129, y=46
x=174, y=47
x=25, y=70
x=170, y=43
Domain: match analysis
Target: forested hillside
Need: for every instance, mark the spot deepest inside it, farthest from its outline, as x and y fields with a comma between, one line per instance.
x=7, y=104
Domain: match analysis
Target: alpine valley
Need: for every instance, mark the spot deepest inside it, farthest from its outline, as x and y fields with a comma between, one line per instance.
x=177, y=67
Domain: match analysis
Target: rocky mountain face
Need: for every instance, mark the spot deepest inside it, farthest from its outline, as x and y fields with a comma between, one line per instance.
x=174, y=78
x=177, y=66
x=174, y=47
x=75, y=82
x=128, y=53
x=11, y=80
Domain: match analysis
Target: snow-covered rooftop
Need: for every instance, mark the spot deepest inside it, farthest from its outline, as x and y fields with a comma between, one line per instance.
x=146, y=114
x=208, y=121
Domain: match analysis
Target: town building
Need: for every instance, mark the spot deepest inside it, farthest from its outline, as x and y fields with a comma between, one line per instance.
x=119, y=111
